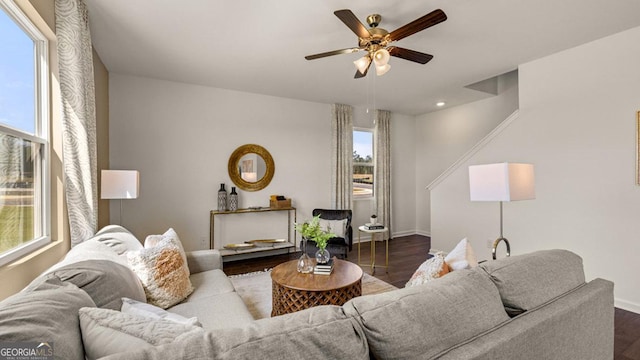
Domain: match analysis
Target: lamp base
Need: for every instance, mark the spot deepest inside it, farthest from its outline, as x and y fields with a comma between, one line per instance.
x=495, y=246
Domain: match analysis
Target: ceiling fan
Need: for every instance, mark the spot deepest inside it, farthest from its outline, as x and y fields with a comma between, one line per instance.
x=375, y=41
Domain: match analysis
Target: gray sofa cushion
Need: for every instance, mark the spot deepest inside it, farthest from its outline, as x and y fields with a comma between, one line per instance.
x=118, y=238
x=323, y=332
x=216, y=311
x=526, y=281
x=46, y=312
x=207, y=283
x=423, y=320
x=105, y=281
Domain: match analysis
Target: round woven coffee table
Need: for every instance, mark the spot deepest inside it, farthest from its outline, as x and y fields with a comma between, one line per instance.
x=293, y=291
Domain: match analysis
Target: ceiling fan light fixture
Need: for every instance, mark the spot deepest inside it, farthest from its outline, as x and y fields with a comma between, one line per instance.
x=362, y=64
x=381, y=57
x=381, y=70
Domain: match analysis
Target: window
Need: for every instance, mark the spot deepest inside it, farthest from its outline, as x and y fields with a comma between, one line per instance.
x=362, y=164
x=23, y=135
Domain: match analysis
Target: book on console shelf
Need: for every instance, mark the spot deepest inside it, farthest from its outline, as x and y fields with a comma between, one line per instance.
x=369, y=226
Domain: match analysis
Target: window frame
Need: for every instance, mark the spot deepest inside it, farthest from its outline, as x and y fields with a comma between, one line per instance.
x=42, y=203
x=373, y=164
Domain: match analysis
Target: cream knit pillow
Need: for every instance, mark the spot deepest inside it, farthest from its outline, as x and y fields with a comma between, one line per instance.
x=163, y=273
x=431, y=269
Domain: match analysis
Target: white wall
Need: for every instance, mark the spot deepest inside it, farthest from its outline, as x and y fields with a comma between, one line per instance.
x=442, y=137
x=577, y=125
x=180, y=137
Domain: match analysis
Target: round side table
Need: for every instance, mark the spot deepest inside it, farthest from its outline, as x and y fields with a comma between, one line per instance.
x=294, y=291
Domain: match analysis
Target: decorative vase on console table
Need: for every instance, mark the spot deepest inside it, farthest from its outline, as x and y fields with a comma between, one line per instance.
x=233, y=199
x=222, y=198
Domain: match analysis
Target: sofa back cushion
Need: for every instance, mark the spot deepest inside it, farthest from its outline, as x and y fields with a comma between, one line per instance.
x=423, y=320
x=323, y=332
x=118, y=239
x=46, y=312
x=530, y=280
x=105, y=281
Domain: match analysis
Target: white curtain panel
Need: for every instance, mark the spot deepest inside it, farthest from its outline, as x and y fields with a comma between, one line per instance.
x=341, y=156
x=79, y=117
x=382, y=178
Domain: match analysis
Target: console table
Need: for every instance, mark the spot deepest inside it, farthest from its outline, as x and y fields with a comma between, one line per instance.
x=291, y=219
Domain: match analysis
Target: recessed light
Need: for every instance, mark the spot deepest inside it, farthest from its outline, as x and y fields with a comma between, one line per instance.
x=440, y=104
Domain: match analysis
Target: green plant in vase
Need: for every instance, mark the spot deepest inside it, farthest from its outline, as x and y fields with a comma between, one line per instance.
x=311, y=230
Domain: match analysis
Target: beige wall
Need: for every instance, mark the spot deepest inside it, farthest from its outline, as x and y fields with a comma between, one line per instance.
x=16, y=275
x=180, y=136
x=442, y=137
x=577, y=125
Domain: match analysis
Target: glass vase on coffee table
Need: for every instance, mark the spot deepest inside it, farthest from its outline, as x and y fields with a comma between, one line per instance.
x=305, y=264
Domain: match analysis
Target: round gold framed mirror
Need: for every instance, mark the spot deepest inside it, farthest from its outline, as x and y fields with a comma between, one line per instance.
x=251, y=167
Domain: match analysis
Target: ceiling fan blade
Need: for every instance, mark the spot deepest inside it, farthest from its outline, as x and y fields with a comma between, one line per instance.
x=410, y=55
x=352, y=22
x=433, y=18
x=334, y=52
x=361, y=75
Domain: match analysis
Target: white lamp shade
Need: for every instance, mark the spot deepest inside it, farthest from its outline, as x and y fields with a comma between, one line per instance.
x=362, y=64
x=120, y=184
x=381, y=70
x=501, y=182
x=381, y=57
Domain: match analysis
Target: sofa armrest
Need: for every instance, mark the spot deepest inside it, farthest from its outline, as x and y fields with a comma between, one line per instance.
x=204, y=260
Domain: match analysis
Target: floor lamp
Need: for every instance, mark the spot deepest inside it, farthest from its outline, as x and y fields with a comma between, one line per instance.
x=120, y=184
x=501, y=182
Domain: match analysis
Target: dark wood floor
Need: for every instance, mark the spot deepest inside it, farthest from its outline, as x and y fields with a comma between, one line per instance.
x=408, y=252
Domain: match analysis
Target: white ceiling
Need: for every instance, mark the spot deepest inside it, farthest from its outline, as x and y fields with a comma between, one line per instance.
x=259, y=46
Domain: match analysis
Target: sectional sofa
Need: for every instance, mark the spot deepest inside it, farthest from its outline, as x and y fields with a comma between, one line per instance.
x=532, y=306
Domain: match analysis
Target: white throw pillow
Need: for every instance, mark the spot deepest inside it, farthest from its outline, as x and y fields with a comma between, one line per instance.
x=431, y=269
x=134, y=307
x=154, y=240
x=163, y=273
x=338, y=227
x=106, y=332
x=462, y=256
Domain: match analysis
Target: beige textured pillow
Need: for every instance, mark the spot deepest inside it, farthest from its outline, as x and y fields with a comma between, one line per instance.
x=163, y=273
x=431, y=269
x=171, y=235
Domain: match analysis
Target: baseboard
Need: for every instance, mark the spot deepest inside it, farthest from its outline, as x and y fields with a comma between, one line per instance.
x=423, y=233
x=403, y=233
x=626, y=305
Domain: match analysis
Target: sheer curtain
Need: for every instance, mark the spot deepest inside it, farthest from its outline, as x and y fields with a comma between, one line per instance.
x=382, y=180
x=78, y=118
x=341, y=156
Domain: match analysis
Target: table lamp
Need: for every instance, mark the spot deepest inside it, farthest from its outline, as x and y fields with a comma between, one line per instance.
x=501, y=182
x=120, y=184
